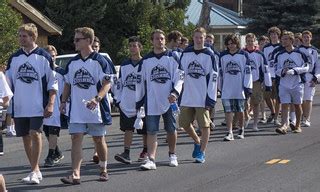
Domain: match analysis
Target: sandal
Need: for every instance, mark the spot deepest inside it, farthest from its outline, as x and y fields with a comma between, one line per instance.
x=70, y=180
x=104, y=176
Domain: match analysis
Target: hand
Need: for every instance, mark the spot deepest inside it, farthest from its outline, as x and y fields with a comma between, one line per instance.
x=172, y=98
x=48, y=111
x=208, y=108
x=290, y=72
x=92, y=104
x=62, y=108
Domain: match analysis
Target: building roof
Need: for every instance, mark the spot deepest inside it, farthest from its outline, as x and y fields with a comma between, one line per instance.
x=33, y=14
x=220, y=17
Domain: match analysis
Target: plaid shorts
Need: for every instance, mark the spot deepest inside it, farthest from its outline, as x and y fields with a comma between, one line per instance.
x=233, y=105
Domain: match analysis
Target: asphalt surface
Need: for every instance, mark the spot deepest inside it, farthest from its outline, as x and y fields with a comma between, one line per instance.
x=263, y=161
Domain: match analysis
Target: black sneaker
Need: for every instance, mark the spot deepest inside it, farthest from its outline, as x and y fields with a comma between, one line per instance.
x=123, y=158
x=270, y=118
x=49, y=162
x=58, y=157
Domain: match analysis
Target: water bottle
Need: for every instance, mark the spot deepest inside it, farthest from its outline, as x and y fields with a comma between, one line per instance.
x=175, y=109
x=85, y=102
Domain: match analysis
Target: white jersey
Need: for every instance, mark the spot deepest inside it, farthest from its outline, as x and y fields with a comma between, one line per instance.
x=158, y=77
x=295, y=60
x=54, y=120
x=236, y=76
x=259, y=67
x=312, y=55
x=126, y=88
x=5, y=90
x=267, y=51
x=85, y=77
x=31, y=76
x=200, y=78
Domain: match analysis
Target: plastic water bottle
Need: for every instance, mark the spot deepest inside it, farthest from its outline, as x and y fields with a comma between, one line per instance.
x=85, y=102
x=175, y=109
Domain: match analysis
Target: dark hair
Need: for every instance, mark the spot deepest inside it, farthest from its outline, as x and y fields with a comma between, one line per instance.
x=274, y=30
x=233, y=38
x=135, y=39
x=96, y=39
x=174, y=35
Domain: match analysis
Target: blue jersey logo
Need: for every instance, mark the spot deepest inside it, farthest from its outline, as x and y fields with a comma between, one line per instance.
x=130, y=81
x=83, y=79
x=233, y=68
x=195, y=70
x=160, y=74
x=253, y=64
x=289, y=64
x=27, y=74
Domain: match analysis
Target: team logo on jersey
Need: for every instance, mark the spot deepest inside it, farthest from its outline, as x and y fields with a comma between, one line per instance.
x=160, y=74
x=26, y=73
x=253, y=64
x=130, y=81
x=289, y=64
x=83, y=79
x=195, y=70
x=233, y=68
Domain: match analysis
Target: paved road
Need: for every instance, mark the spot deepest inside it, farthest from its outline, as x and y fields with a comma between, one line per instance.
x=239, y=166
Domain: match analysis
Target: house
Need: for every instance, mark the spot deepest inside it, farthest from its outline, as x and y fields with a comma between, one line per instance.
x=223, y=21
x=29, y=14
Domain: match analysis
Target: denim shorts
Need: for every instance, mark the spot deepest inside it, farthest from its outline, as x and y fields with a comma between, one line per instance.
x=153, y=121
x=93, y=129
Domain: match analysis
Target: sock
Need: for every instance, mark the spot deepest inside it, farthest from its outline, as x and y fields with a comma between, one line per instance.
x=145, y=149
x=51, y=152
x=293, y=117
x=127, y=150
x=170, y=153
x=151, y=159
x=103, y=164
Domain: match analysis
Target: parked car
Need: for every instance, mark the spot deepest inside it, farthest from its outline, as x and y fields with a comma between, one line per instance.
x=62, y=61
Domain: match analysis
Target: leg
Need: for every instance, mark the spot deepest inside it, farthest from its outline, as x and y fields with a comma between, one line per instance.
x=298, y=109
x=172, y=141
x=27, y=143
x=36, y=146
x=284, y=114
x=152, y=145
x=229, y=120
x=255, y=116
x=76, y=154
x=2, y=184
x=307, y=108
x=102, y=151
x=128, y=134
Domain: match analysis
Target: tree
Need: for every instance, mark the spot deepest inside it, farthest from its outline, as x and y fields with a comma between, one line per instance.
x=204, y=20
x=115, y=21
x=294, y=15
x=9, y=23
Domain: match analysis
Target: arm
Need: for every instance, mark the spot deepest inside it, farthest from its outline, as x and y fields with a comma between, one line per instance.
x=49, y=108
x=65, y=95
x=212, y=85
x=178, y=76
x=247, y=80
x=106, y=84
x=264, y=68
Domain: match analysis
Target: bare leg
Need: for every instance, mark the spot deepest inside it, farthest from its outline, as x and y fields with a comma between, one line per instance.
x=102, y=150
x=152, y=145
x=76, y=154
x=172, y=141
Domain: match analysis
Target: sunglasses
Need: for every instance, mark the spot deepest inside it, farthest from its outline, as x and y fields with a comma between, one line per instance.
x=78, y=39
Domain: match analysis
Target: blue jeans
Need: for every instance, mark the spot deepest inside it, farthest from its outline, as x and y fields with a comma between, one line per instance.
x=153, y=121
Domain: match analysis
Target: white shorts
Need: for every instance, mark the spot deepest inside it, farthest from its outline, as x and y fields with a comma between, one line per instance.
x=293, y=96
x=308, y=92
x=93, y=129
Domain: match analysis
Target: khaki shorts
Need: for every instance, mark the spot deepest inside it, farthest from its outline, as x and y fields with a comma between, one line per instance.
x=257, y=93
x=189, y=114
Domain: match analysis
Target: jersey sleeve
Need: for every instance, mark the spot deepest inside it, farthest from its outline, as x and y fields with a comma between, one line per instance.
x=247, y=80
x=265, y=72
x=304, y=68
x=212, y=84
x=51, y=76
x=140, y=86
x=5, y=89
x=178, y=76
x=118, y=87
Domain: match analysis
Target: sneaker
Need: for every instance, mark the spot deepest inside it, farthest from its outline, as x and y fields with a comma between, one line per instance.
x=173, y=160
x=143, y=156
x=57, y=157
x=123, y=158
x=306, y=123
x=297, y=130
x=276, y=122
x=262, y=121
x=223, y=123
x=32, y=178
x=282, y=130
x=49, y=162
x=196, y=150
x=270, y=118
x=292, y=125
x=1, y=153
x=229, y=137
x=149, y=165
x=200, y=158
x=255, y=128
x=241, y=134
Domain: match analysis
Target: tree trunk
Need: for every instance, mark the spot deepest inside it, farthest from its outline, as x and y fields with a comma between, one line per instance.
x=204, y=20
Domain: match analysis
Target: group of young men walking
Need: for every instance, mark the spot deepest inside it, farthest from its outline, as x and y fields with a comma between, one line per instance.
x=155, y=84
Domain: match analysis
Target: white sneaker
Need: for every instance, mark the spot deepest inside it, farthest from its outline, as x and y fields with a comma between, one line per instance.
x=11, y=133
x=32, y=178
x=149, y=165
x=173, y=160
x=276, y=122
x=241, y=134
x=306, y=123
x=255, y=128
x=229, y=137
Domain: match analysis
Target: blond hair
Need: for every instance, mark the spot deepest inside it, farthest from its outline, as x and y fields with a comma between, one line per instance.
x=51, y=48
x=87, y=32
x=31, y=30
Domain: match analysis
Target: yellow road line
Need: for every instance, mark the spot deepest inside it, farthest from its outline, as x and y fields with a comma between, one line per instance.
x=273, y=161
x=284, y=161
